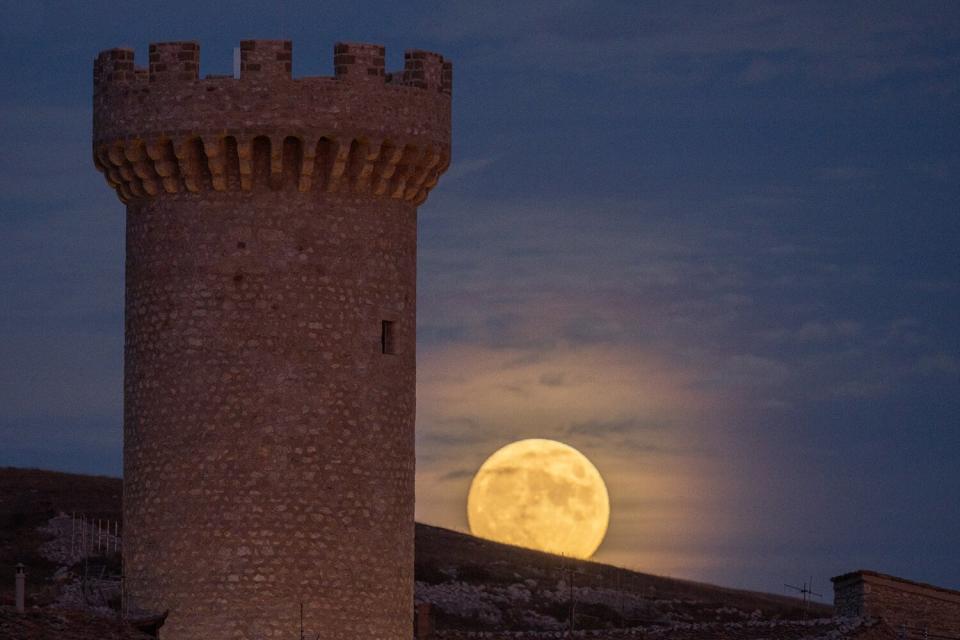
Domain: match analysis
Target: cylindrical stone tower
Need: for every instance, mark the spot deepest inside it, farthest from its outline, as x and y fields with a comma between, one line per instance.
x=270, y=334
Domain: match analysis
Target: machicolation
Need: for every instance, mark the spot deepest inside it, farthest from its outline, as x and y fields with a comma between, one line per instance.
x=270, y=345
x=162, y=128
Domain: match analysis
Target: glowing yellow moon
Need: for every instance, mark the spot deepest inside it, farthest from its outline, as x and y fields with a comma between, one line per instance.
x=540, y=494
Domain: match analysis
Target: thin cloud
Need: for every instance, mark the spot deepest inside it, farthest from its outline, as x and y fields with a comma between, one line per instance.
x=464, y=168
x=554, y=379
x=939, y=364
x=456, y=474
x=603, y=428
x=825, y=42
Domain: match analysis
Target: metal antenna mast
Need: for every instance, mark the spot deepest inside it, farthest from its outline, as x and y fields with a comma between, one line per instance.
x=806, y=591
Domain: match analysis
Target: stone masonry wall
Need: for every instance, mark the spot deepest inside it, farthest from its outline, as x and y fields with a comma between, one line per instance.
x=269, y=376
x=899, y=602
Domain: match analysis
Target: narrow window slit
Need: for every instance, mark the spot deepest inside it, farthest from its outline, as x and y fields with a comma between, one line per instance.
x=387, y=337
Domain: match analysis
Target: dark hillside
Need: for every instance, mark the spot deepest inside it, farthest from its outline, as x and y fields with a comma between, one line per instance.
x=29, y=498
x=471, y=584
x=477, y=584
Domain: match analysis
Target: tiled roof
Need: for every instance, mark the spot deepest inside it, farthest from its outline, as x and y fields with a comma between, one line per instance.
x=62, y=624
x=861, y=574
x=818, y=629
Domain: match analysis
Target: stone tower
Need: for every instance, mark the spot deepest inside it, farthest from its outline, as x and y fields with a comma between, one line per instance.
x=270, y=333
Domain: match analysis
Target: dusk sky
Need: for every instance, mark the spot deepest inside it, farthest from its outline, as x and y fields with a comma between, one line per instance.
x=713, y=246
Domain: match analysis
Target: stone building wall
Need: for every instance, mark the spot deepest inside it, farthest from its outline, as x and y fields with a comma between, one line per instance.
x=899, y=602
x=269, y=385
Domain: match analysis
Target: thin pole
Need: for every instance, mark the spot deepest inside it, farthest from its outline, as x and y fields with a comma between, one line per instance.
x=20, y=588
x=620, y=591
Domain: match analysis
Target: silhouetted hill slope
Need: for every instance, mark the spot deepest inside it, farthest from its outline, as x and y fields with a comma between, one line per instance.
x=30, y=497
x=473, y=583
x=470, y=583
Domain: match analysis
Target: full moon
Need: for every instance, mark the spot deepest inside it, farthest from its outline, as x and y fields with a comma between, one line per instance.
x=540, y=494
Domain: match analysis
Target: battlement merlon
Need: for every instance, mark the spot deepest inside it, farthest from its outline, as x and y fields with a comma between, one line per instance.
x=162, y=128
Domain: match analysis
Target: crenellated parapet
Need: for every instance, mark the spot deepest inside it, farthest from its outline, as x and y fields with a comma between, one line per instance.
x=162, y=129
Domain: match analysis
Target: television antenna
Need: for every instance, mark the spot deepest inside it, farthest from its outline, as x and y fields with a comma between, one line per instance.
x=807, y=592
